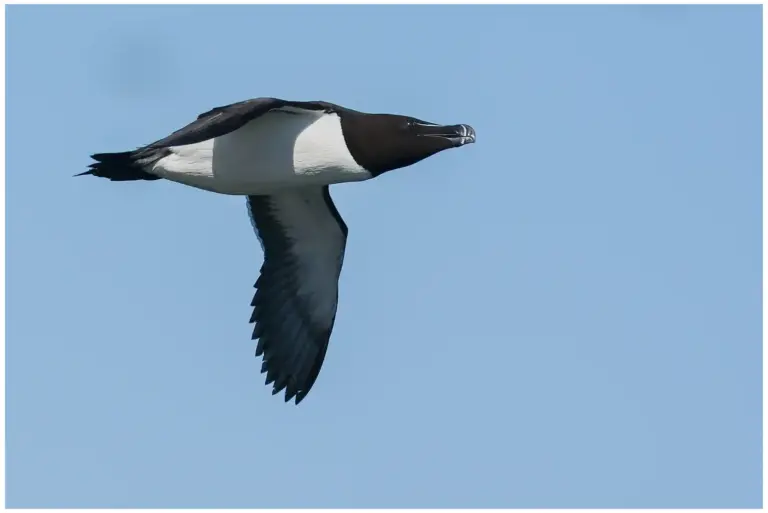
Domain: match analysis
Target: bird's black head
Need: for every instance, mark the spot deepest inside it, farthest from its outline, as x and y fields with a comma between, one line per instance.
x=383, y=142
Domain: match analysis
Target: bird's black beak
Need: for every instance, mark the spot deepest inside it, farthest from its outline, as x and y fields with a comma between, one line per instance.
x=459, y=135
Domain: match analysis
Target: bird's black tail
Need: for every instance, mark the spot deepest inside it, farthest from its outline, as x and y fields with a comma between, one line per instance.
x=123, y=166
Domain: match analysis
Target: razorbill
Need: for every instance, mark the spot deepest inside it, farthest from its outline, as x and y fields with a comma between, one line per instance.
x=283, y=155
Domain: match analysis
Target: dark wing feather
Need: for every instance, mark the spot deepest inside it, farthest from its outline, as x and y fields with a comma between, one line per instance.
x=223, y=120
x=303, y=238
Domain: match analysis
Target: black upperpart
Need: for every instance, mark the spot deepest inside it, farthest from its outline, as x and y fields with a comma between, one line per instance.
x=383, y=142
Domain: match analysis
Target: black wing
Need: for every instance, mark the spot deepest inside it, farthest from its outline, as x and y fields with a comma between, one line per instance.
x=303, y=238
x=223, y=120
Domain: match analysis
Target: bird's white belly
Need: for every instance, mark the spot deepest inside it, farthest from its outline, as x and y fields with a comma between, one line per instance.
x=276, y=151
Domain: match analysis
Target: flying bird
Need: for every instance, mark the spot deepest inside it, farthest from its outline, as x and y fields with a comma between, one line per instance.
x=283, y=155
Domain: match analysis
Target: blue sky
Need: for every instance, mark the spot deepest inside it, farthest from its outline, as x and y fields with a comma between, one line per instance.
x=565, y=314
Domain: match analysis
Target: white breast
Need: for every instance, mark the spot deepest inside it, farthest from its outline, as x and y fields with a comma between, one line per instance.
x=277, y=150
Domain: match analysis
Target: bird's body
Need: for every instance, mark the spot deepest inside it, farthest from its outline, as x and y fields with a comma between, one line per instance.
x=283, y=155
x=281, y=149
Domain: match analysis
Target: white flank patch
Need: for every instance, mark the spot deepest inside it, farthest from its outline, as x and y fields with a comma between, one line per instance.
x=283, y=148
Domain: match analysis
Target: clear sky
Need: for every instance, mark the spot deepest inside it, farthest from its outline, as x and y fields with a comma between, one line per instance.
x=565, y=314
